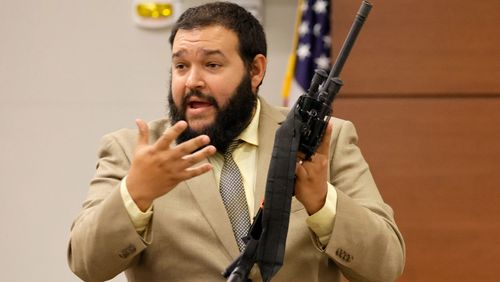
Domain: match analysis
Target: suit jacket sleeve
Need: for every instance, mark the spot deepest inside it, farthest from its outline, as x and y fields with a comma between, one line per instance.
x=95, y=251
x=365, y=242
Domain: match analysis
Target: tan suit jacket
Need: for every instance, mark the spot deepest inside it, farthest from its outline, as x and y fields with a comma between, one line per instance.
x=190, y=236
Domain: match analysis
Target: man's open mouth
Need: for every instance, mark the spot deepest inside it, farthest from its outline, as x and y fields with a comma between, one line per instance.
x=199, y=104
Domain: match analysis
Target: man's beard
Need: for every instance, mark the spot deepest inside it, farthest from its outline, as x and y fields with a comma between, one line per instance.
x=230, y=120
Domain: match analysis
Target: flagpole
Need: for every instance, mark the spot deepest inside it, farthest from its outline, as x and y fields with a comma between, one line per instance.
x=290, y=70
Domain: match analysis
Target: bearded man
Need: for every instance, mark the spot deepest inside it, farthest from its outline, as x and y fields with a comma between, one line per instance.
x=158, y=209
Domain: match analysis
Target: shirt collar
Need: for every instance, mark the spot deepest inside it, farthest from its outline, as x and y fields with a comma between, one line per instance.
x=251, y=132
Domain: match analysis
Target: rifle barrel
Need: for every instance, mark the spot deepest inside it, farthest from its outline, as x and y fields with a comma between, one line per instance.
x=350, y=39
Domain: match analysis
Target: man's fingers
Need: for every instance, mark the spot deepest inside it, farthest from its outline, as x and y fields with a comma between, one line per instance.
x=143, y=138
x=191, y=145
x=170, y=135
x=200, y=155
x=324, y=145
x=300, y=170
x=195, y=171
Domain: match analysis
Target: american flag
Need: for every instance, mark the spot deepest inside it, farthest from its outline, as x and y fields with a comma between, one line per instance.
x=311, y=49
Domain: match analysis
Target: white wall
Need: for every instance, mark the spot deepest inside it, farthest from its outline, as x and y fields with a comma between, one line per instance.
x=71, y=71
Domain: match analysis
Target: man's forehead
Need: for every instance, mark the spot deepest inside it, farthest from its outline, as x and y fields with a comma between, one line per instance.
x=210, y=40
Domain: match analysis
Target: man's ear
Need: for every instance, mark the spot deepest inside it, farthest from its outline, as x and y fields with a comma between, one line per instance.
x=258, y=70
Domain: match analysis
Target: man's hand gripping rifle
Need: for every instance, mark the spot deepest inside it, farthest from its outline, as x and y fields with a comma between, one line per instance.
x=301, y=133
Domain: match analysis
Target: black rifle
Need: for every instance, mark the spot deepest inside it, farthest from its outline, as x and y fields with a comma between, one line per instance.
x=302, y=131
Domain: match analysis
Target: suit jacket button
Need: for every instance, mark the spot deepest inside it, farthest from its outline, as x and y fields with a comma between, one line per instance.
x=343, y=255
x=126, y=252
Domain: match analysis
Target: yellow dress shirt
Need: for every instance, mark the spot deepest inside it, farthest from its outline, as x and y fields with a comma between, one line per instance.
x=245, y=156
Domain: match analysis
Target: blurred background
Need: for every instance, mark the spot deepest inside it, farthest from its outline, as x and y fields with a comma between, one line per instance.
x=422, y=86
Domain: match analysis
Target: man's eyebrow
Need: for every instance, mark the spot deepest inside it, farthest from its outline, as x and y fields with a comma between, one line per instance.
x=209, y=52
x=206, y=52
x=178, y=53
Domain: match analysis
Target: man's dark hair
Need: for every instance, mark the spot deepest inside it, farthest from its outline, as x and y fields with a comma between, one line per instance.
x=251, y=36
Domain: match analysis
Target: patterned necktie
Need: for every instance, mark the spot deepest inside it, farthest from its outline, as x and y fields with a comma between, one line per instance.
x=233, y=196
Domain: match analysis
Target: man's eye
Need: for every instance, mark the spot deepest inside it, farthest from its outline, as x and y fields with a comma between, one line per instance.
x=180, y=66
x=213, y=65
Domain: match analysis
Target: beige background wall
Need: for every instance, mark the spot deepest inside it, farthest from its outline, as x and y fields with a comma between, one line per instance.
x=71, y=71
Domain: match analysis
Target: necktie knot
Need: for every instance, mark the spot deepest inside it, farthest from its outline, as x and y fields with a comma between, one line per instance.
x=230, y=149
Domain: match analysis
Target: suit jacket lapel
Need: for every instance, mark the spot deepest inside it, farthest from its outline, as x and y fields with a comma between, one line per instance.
x=206, y=193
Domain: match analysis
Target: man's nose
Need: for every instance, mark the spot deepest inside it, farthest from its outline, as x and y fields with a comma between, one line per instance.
x=195, y=79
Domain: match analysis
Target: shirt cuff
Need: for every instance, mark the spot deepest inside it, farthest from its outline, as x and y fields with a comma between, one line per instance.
x=321, y=222
x=139, y=219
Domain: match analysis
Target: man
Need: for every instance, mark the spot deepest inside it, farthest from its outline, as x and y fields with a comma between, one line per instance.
x=156, y=210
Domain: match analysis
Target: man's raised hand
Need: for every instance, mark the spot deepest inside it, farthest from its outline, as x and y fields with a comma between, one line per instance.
x=157, y=168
